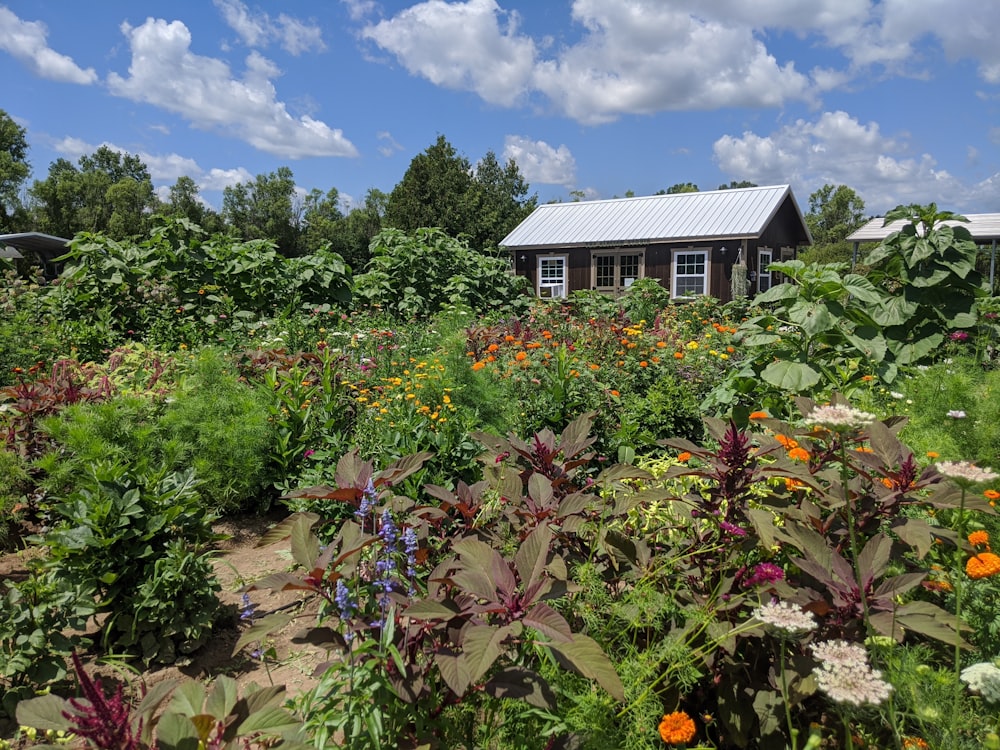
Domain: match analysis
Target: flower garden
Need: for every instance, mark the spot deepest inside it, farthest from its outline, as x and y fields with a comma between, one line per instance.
x=588, y=523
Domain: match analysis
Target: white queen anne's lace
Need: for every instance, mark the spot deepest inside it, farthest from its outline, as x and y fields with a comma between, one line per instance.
x=838, y=417
x=983, y=679
x=845, y=675
x=785, y=616
x=963, y=470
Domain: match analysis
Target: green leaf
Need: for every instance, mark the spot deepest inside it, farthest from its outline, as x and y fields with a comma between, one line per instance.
x=270, y=721
x=584, y=656
x=188, y=699
x=261, y=629
x=222, y=698
x=794, y=377
x=176, y=732
x=44, y=713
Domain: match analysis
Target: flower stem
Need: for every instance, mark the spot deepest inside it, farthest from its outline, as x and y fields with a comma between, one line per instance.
x=853, y=535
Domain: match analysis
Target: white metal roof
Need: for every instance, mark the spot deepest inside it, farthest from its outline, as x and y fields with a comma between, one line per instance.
x=980, y=226
x=715, y=214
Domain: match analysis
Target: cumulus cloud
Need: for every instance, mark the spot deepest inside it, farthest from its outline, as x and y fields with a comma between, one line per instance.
x=165, y=73
x=358, y=9
x=27, y=41
x=471, y=46
x=258, y=29
x=539, y=162
x=647, y=56
x=837, y=149
x=387, y=144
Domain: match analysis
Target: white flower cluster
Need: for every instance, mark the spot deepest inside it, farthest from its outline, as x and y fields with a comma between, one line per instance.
x=846, y=676
x=965, y=471
x=785, y=616
x=983, y=679
x=838, y=417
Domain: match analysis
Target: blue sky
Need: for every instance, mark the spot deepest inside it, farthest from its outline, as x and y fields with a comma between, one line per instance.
x=899, y=99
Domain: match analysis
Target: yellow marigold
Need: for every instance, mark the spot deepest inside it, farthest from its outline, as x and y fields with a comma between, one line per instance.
x=979, y=537
x=798, y=454
x=677, y=728
x=758, y=415
x=983, y=565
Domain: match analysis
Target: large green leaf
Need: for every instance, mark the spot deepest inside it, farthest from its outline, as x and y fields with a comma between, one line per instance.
x=794, y=377
x=43, y=713
x=176, y=732
x=584, y=656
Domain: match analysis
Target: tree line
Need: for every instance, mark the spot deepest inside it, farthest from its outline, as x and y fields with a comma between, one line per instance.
x=112, y=193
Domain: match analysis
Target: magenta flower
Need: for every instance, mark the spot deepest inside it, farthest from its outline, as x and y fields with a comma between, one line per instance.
x=959, y=336
x=765, y=573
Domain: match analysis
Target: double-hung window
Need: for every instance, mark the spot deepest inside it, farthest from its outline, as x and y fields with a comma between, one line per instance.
x=552, y=281
x=690, y=276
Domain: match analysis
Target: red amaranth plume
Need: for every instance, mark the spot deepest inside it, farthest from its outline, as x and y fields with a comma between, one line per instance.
x=103, y=720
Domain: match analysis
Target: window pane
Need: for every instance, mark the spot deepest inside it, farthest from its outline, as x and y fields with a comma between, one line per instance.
x=629, y=267
x=605, y=270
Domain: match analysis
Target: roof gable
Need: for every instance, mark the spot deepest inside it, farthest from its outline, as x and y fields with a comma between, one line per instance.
x=980, y=226
x=715, y=214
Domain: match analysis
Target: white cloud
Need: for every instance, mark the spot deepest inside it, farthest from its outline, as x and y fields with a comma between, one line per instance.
x=837, y=149
x=26, y=41
x=258, y=29
x=165, y=73
x=220, y=179
x=461, y=46
x=538, y=162
x=358, y=9
x=388, y=145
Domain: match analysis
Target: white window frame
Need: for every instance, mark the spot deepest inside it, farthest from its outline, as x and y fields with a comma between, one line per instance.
x=551, y=286
x=762, y=272
x=706, y=255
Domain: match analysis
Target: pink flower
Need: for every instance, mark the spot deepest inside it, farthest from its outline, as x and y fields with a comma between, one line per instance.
x=959, y=336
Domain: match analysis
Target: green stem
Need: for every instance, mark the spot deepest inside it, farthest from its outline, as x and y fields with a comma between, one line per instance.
x=793, y=734
x=959, y=590
x=852, y=533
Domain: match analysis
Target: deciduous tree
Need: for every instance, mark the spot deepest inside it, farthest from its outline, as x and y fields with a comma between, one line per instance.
x=14, y=169
x=834, y=212
x=265, y=209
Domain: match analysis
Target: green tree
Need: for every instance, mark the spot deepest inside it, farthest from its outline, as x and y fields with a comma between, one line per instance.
x=14, y=170
x=360, y=226
x=322, y=220
x=735, y=185
x=497, y=202
x=680, y=187
x=834, y=212
x=183, y=202
x=433, y=191
x=265, y=209
x=110, y=192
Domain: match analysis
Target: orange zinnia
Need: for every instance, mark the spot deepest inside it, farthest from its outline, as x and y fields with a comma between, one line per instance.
x=991, y=495
x=684, y=457
x=758, y=415
x=677, y=728
x=520, y=356
x=983, y=565
x=476, y=366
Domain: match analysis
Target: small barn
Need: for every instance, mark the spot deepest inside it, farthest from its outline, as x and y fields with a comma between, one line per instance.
x=36, y=247
x=688, y=241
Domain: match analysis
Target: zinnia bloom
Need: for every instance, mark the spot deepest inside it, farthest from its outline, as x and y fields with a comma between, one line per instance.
x=758, y=415
x=684, y=457
x=991, y=495
x=983, y=565
x=520, y=356
x=677, y=728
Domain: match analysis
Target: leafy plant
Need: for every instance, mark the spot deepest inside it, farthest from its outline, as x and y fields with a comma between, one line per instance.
x=164, y=598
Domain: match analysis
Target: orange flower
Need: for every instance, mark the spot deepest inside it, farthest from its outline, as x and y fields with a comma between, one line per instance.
x=684, y=457
x=758, y=415
x=476, y=366
x=887, y=482
x=798, y=454
x=864, y=449
x=614, y=393
x=867, y=378
x=980, y=537
x=793, y=484
x=915, y=743
x=661, y=344
x=786, y=441
x=520, y=356
x=677, y=728
x=678, y=355
x=983, y=565
x=933, y=454
x=991, y=495
x=508, y=338
x=644, y=363
x=492, y=348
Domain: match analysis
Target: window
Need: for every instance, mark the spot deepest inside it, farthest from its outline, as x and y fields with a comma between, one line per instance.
x=690, y=274
x=764, y=259
x=552, y=276
x=614, y=272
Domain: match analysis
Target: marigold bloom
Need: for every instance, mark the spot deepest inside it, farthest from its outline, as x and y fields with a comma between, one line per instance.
x=798, y=454
x=786, y=441
x=983, y=565
x=677, y=728
x=991, y=495
x=644, y=363
x=979, y=537
x=793, y=484
x=520, y=356
x=915, y=743
x=476, y=366
x=933, y=454
x=678, y=355
x=684, y=457
x=492, y=348
x=758, y=415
